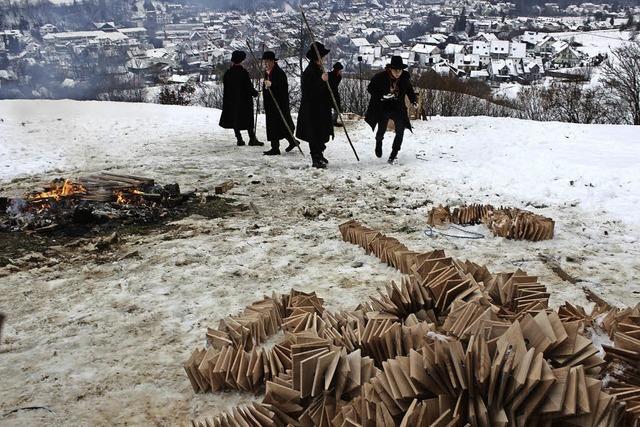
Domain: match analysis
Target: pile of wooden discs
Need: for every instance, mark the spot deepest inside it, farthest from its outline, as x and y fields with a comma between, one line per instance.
x=510, y=223
x=450, y=345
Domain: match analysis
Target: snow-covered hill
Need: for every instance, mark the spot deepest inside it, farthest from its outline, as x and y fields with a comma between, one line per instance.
x=483, y=159
x=103, y=343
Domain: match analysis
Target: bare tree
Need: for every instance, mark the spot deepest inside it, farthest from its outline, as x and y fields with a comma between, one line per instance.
x=354, y=96
x=621, y=74
x=209, y=95
x=571, y=102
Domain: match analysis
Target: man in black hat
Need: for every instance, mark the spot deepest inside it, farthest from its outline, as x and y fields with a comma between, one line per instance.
x=314, y=117
x=276, y=84
x=237, y=105
x=388, y=90
x=335, y=77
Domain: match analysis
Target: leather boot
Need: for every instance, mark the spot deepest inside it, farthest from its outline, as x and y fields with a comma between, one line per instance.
x=253, y=140
x=393, y=156
x=379, y=148
x=293, y=143
x=275, y=149
x=317, y=163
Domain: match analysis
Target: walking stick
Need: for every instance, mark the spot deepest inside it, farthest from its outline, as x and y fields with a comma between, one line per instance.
x=284, y=121
x=255, y=121
x=333, y=98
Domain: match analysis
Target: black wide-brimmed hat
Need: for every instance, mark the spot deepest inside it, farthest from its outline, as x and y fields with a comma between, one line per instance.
x=311, y=53
x=397, y=64
x=338, y=66
x=237, y=56
x=269, y=55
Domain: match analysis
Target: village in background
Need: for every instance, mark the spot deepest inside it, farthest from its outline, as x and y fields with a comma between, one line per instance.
x=533, y=60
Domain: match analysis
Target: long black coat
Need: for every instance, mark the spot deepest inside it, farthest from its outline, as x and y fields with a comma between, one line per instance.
x=334, y=82
x=237, y=105
x=380, y=86
x=314, y=117
x=276, y=129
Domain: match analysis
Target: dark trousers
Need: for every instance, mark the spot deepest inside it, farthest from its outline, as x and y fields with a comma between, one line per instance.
x=252, y=135
x=400, y=126
x=335, y=117
x=316, y=148
x=275, y=143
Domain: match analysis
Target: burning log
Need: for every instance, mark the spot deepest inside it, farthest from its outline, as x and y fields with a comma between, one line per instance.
x=65, y=203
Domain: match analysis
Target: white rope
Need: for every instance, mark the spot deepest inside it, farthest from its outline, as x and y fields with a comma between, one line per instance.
x=432, y=232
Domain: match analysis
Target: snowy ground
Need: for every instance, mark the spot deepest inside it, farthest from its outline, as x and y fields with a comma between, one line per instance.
x=102, y=343
x=596, y=42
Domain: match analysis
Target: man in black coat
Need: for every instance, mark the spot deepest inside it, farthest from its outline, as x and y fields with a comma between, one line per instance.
x=335, y=77
x=276, y=86
x=314, y=117
x=388, y=90
x=237, y=105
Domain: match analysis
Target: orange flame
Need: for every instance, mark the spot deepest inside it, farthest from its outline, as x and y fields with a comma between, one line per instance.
x=120, y=198
x=128, y=197
x=57, y=191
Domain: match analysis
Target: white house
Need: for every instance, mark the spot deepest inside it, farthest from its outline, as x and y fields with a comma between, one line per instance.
x=48, y=28
x=467, y=62
x=545, y=46
x=482, y=49
x=479, y=75
x=567, y=57
x=138, y=33
x=533, y=68
x=425, y=54
x=433, y=39
x=83, y=36
x=517, y=50
x=444, y=68
x=486, y=37
x=499, y=49
x=505, y=69
x=359, y=42
x=452, y=49
x=532, y=37
x=390, y=41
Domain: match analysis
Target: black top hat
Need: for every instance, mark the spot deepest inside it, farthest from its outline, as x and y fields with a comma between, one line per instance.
x=237, y=56
x=397, y=64
x=269, y=55
x=311, y=53
x=338, y=66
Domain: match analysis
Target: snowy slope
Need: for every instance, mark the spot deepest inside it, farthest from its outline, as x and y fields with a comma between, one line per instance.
x=596, y=42
x=103, y=343
x=520, y=160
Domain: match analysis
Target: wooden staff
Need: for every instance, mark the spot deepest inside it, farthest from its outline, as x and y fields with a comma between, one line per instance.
x=333, y=98
x=275, y=101
x=255, y=121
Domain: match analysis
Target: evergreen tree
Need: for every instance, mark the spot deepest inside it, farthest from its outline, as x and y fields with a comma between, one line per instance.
x=461, y=22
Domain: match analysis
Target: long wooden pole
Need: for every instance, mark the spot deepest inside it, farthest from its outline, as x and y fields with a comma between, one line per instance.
x=333, y=98
x=275, y=101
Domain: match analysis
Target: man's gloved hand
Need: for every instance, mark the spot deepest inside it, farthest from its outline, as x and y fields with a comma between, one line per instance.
x=267, y=84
